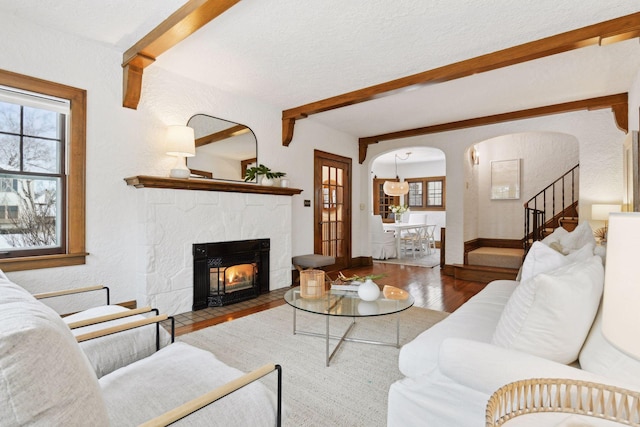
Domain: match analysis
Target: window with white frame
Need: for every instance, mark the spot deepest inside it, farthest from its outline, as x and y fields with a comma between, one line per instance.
x=42, y=173
x=33, y=131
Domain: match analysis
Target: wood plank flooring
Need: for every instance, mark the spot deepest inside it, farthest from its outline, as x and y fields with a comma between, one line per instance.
x=428, y=286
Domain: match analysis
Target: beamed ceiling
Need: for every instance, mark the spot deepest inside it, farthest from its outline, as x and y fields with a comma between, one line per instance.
x=298, y=56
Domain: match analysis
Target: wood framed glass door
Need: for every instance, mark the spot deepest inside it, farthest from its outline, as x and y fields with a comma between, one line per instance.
x=381, y=201
x=332, y=217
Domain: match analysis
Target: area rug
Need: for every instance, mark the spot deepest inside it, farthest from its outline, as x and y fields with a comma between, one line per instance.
x=352, y=391
x=429, y=261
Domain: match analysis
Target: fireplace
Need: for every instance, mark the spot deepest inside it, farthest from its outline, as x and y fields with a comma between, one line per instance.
x=229, y=272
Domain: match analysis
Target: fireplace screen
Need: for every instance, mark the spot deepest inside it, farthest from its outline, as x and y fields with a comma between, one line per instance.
x=229, y=272
x=225, y=280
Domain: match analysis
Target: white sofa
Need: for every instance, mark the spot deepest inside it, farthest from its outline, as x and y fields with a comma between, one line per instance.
x=46, y=379
x=453, y=368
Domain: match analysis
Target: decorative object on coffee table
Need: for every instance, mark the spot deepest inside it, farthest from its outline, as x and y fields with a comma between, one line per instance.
x=312, y=284
x=391, y=292
x=368, y=291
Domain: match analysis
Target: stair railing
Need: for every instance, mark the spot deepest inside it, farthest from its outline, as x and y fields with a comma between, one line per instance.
x=542, y=210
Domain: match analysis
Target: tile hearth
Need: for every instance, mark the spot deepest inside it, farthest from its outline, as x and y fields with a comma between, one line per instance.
x=191, y=317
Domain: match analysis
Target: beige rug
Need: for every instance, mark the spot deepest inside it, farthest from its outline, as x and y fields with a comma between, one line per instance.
x=350, y=392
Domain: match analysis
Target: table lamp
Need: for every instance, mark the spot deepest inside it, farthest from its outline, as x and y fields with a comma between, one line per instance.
x=180, y=143
x=621, y=300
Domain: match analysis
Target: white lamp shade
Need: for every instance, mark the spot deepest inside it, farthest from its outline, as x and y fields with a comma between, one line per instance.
x=394, y=188
x=601, y=212
x=181, y=141
x=621, y=303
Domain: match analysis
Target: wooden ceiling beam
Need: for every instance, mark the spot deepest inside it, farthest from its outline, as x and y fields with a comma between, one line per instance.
x=618, y=104
x=177, y=27
x=236, y=130
x=613, y=30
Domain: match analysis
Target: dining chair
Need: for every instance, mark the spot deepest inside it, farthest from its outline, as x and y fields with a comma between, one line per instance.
x=429, y=238
x=383, y=244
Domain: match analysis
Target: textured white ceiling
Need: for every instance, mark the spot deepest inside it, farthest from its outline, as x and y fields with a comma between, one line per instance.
x=291, y=52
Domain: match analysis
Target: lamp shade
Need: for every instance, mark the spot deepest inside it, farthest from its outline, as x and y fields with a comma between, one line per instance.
x=621, y=301
x=181, y=141
x=601, y=212
x=395, y=188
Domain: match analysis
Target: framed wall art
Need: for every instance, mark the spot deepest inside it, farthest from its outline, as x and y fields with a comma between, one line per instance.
x=505, y=179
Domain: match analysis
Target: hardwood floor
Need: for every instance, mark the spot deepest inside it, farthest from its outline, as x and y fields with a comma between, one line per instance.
x=428, y=286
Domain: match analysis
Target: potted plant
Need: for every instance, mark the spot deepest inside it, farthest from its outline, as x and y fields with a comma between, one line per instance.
x=253, y=173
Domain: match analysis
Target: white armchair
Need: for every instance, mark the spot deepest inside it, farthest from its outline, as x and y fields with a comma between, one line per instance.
x=111, y=352
x=383, y=244
x=46, y=379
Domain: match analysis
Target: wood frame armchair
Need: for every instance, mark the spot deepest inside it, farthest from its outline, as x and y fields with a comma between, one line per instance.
x=104, y=320
x=40, y=356
x=64, y=292
x=198, y=403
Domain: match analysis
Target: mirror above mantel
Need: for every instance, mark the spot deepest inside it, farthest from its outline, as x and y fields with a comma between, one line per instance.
x=224, y=149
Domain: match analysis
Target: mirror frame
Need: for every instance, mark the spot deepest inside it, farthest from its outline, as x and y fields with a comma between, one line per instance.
x=234, y=129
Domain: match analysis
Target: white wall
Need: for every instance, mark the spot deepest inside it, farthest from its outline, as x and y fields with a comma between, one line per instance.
x=544, y=157
x=123, y=142
x=600, y=146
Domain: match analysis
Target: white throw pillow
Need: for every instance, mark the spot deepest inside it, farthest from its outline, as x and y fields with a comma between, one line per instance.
x=555, y=236
x=585, y=252
x=540, y=259
x=580, y=236
x=549, y=315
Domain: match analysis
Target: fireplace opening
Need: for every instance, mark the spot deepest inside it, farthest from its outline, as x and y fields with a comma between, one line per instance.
x=234, y=278
x=229, y=272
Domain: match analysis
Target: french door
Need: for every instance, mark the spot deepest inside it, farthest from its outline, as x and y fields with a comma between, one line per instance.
x=381, y=201
x=332, y=193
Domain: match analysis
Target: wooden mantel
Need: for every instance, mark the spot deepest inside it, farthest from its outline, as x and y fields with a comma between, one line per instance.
x=145, y=181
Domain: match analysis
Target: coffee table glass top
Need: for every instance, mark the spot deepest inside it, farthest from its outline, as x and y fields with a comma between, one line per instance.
x=346, y=303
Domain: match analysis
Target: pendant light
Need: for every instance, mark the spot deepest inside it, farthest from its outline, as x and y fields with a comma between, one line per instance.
x=396, y=188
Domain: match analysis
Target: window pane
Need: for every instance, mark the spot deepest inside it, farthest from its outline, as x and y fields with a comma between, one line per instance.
x=434, y=193
x=415, y=194
x=9, y=117
x=31, y=213
x=40, y=155
x=41, y=123
x=9, y=152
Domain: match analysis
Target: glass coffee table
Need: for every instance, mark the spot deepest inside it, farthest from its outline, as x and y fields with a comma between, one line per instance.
x=339, y=303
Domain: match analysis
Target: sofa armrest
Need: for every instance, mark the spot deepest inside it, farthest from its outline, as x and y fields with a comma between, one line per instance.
x=109, y=317
x=73, y=291
x=200, y=402
x=121, y=328
x=485, y=367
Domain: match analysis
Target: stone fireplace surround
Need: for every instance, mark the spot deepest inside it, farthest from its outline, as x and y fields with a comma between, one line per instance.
x=170, y=221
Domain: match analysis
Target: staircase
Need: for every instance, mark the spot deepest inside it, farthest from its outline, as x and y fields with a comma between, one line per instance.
x=552, y=207
x=492, y=259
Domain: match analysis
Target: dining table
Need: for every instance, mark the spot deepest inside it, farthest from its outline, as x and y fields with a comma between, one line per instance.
x=399, y=227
